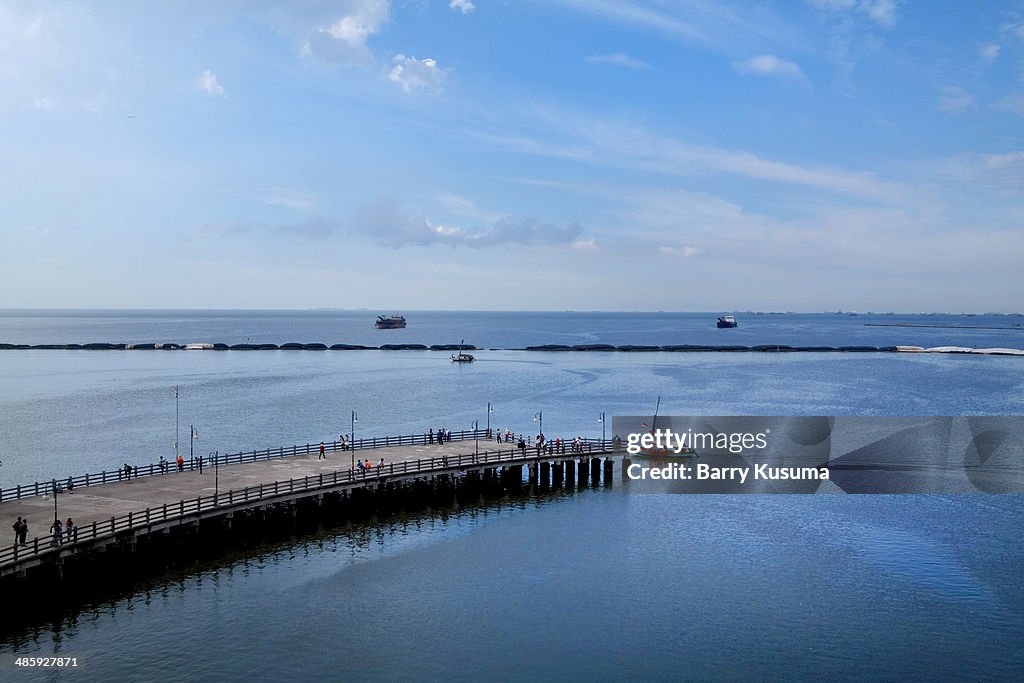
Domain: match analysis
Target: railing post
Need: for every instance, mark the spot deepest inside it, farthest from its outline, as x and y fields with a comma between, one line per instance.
x=111, y=525
x=182, y=507
x=94, y=529
x=147, y=515
x=35, y=545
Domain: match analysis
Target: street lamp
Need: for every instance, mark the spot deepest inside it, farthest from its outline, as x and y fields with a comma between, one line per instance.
x=216, y=475
x=490, y=409
x=55, y=490
x=194, y=434
x=539, y=417
x=175, y=423
x=601, y=420
x=476, y=435
x=352, y=440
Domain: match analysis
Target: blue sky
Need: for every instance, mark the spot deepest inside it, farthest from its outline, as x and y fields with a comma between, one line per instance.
x=548, y=154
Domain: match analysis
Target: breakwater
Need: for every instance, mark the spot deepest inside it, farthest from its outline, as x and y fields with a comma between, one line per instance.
x=624, y=348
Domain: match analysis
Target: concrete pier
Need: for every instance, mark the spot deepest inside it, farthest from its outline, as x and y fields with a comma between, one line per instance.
x=134, y=514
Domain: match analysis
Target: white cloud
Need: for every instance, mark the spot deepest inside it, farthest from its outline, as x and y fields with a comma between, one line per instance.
x=343, y=40
x=768, y=65
x=618, y=59
x=1013, y=104
x=95, y=102
x=882, y=12
x=999, y=161
x=207, y=82
x=989, y=52
x=585, y=245
x=44, y=103
x=288, y=198
x=464, y=6
x=416, y=74
x=391, y=226
x=954, y=99
x=681, y=252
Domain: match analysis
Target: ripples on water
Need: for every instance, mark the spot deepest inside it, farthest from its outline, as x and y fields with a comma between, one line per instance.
x=596, y=584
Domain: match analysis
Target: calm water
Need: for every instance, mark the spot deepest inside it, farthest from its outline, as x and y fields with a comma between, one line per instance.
x=595, y=585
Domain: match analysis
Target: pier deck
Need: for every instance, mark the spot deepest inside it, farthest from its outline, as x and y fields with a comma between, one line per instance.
x=100, y=502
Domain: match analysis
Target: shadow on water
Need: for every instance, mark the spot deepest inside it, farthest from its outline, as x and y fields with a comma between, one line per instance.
x=50, y=607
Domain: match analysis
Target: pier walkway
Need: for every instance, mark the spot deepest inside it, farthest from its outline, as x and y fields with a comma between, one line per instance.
x=118, y=510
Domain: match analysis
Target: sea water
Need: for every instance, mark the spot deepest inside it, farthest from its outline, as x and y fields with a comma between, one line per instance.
x=596, y=584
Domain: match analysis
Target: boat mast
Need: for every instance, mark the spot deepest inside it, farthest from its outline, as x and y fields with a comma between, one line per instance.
x=654, y=422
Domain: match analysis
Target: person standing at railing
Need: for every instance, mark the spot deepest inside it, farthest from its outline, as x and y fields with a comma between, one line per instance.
x=71, y=531
x=323, y=452
x=17, y=530
x=430, y=436
x=380, y=465
x=181, y=463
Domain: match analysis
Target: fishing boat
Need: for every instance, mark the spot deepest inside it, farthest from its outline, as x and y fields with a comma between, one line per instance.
x=663, y=453
x=462, y=357
x=726, y=321
x=393, y=322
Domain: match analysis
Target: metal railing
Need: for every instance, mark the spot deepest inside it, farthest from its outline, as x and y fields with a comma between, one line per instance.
x=40, y=546
x=152, y=469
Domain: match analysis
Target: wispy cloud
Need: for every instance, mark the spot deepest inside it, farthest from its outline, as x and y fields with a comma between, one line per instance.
x=618, y=59
x=416, y=74
x=1012, y=103
x=954, y=99
x=387, y=223
x=989, y=51
x=768, y=65
x=882, y=12
x=464, y=6
x=681, y=252
x=207, y=82
x=288, y=198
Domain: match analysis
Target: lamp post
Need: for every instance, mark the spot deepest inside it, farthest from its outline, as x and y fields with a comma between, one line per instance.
x=352, y=439
x=490, y=409
x=193, y=437
x=175, y=423
x=216, y=475
x=55, y=490
x=539, y=417
x=476, y=436
x=601, y=420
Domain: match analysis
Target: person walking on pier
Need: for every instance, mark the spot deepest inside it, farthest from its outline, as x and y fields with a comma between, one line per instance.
x=199, y=459
x=24, y=531
x=57, y=529
x=71, y=531
x=323, y=451
x=162, y=465
x=17, y=530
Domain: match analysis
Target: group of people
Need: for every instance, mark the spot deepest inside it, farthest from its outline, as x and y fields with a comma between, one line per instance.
x=20, y=531
x=444, y=435
x=60, y=533
x=364, y=466
x=556, y=446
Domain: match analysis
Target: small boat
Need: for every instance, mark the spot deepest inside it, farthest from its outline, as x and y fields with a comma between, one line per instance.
x=725, y=321
x=391, y=323
x=664, y=453
x=462, y=357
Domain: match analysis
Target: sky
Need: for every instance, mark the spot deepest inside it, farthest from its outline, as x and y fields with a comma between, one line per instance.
x=519, y=155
